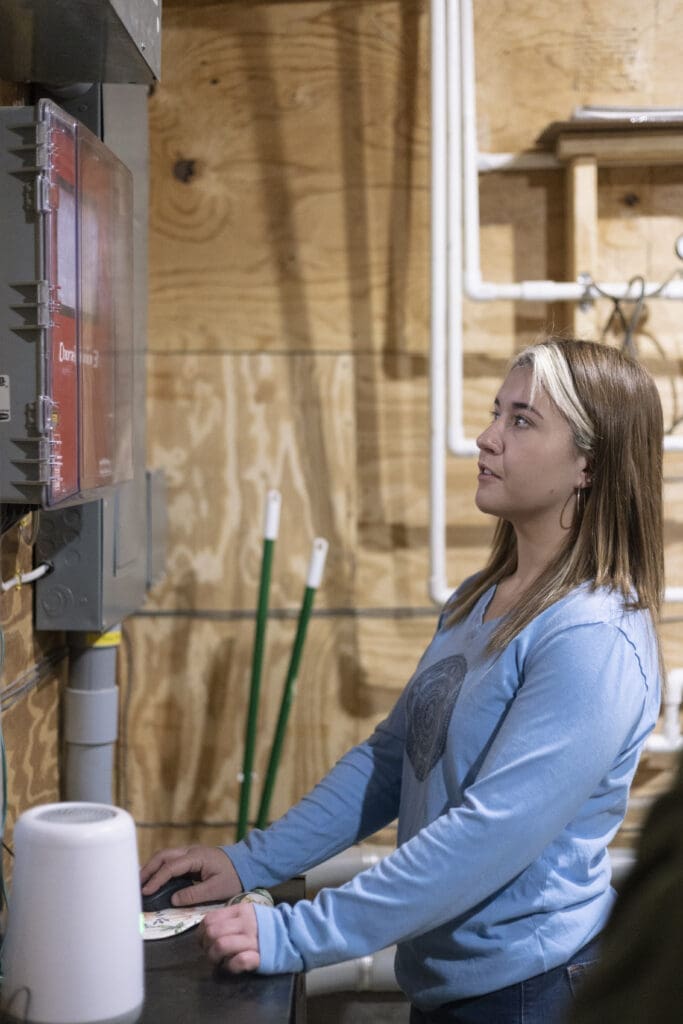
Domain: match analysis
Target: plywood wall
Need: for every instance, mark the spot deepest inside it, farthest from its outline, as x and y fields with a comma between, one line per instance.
x=289, y=339
x=31, y=683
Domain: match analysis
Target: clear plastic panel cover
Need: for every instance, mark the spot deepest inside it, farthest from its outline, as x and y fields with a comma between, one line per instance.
x=60, y=270
x=106, y=315
x=89, y=352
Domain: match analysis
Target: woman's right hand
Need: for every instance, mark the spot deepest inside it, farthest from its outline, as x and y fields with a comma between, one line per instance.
x=217, y=878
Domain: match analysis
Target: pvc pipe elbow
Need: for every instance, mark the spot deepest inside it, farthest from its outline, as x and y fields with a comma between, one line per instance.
x=478, y=290
x=460, y=445
x=438, y=591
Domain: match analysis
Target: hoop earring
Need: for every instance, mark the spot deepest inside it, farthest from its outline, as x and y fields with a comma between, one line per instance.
x=567, y=508
x=580, y=500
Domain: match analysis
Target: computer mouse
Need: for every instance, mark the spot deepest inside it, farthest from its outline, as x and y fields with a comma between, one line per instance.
x=161, y=899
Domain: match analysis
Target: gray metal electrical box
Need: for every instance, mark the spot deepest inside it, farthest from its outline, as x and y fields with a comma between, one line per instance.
x=106, y=554
x=100, y=549
x=64, y=41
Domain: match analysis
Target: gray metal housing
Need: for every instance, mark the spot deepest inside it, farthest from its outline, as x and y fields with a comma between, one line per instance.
x=24, y=455
x=65, y=41
x=99, y=549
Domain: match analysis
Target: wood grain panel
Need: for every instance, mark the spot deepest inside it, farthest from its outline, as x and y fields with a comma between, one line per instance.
x=31, y=729
x=624, y=148
x=31, y=724
x=15, y=605
x=535, y=63
x=214, y=419
x=185, y=788
x=227, y=428
x=23, y=647
x=289, y=178
x=184, y=727
x=581, y=183
x=393, y=474
x=523, y=237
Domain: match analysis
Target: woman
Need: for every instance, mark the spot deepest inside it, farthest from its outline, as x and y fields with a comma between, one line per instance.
x=509, y=755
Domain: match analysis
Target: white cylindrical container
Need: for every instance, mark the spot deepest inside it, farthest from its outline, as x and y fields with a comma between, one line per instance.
x=73, y=949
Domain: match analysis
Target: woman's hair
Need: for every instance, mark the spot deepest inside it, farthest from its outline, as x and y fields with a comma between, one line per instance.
x=615, y=540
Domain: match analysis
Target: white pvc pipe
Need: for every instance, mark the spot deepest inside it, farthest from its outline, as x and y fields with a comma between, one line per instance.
x=450, y=70
x=345, y=865
x=366, y=974
x=437, y=493
x=462, y=62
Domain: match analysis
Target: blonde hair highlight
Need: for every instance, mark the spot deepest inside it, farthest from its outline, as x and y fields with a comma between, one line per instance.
x=616, y=539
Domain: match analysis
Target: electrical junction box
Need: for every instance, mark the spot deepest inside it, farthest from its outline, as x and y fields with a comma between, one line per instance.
x=105, y=553
x=66, y=330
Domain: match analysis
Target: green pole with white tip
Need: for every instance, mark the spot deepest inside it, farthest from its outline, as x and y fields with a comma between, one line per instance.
x=315, y=573
x=272, y=523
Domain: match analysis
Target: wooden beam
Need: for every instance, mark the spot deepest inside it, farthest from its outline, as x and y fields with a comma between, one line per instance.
x=582, y=234
x=623, y=149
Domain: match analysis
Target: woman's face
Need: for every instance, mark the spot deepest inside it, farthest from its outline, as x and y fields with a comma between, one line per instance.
x=529, y=466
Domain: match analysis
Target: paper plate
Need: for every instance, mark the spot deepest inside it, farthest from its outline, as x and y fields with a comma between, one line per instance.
x=162, y=924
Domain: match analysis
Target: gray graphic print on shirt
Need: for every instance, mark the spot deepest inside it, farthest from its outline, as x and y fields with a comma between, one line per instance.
x=430, y=703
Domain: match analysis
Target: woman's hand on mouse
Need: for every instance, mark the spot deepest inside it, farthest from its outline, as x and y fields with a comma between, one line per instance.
x=229, y=937
x=217, y=878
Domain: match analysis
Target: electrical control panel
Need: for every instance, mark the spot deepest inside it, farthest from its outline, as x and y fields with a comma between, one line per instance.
x=105, y=553
x=66, y=312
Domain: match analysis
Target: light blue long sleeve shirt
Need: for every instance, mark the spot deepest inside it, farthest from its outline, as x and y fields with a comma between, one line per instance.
x=509, y=774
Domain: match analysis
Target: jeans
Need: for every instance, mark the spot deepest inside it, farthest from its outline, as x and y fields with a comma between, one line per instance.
x=543, y=999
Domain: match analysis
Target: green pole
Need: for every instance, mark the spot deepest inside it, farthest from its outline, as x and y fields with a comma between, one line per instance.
x=269, y=538
x=314, y=576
